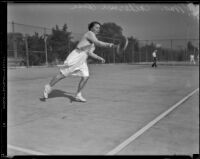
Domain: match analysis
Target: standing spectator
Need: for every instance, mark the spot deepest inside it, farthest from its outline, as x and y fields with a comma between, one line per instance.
x=192, y=59
x=154, y=55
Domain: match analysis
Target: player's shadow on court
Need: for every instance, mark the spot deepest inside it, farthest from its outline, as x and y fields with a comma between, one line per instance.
x=59, y=93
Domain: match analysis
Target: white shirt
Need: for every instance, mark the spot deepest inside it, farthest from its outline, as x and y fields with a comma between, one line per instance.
x=192, y=56
x=76, y=62
x=154, y=54
x=88, y=39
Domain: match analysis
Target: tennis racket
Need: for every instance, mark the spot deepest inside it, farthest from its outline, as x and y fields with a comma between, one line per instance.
x=121, y=47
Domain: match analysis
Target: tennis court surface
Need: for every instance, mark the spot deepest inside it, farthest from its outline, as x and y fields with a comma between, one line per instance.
x=121, y=100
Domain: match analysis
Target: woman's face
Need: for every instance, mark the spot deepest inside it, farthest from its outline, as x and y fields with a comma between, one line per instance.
x=96, y=28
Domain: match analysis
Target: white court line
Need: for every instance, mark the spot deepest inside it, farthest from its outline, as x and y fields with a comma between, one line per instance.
x=149, y=125
x=25, y=150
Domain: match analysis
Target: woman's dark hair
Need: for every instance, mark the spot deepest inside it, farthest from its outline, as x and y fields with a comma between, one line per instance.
x=90, y=26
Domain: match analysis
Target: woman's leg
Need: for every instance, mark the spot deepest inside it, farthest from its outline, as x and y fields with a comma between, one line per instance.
x=81, y=85
x=54, y=80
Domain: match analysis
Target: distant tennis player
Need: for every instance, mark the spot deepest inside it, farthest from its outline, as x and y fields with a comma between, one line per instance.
x=154, y=56
x=76, y=62
x=192, y=59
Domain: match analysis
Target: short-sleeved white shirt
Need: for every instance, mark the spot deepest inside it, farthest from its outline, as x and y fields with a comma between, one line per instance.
x=154, y=54
x=76, y=62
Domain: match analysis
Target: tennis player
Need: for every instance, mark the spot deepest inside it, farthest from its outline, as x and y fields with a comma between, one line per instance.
x=192, y=59
x=76, y=62
x=154, y=55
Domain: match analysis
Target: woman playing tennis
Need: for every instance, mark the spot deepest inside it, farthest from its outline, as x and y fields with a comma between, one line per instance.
x=76, y=62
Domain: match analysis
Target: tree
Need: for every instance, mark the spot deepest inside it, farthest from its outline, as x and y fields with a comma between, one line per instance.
x=191, y=49
x=59, y=42
x=111, y=33
x=190, y=46
x=18, y=39
x=111, y=30
x=36, y=42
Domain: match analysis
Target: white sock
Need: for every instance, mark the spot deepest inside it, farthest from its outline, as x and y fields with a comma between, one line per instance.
x=79, y=94
x=48, y=88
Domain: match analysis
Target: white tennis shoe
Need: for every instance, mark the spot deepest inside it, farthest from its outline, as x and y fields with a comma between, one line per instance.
x=80, y=98
x=47, y=90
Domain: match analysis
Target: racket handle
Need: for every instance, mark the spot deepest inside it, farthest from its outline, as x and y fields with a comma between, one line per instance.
x=115, y=46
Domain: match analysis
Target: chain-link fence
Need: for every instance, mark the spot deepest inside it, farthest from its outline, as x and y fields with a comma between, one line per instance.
x=20, y=50
x=177, y=50
x=32, y=45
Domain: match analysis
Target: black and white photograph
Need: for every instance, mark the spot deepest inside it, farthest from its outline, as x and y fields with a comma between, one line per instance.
x=102, y=79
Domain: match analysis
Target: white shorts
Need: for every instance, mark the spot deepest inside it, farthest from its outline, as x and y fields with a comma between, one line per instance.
x=75, y=64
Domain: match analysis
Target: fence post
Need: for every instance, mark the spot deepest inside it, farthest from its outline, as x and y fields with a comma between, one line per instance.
x=124, y=58
x=14, y=40
x=27, y=53
x=186, y=51
x=194, y=51
x=131, y=56
x=69, y=46
x=146, y=51
x=45, y=43
x=113, y=50
x=171, y=51
x=139, y=51
x=133, y=52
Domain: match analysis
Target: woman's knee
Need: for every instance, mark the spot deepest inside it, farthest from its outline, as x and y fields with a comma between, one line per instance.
x=60, y=76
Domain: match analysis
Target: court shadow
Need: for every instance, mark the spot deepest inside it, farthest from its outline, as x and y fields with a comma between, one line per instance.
x=59, y=93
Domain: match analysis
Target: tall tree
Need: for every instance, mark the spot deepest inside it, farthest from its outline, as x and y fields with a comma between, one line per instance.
x=18, y=39
x=112, y=33
x=59, y=42
x=36, y=48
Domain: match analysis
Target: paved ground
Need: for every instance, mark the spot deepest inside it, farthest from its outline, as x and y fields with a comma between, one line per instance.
x=172, y=135
x=121, y=100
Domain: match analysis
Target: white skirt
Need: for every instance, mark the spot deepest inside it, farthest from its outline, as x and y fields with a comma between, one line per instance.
x=75, y=64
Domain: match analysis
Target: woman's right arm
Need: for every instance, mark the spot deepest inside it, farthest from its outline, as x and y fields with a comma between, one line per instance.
x=92, y=38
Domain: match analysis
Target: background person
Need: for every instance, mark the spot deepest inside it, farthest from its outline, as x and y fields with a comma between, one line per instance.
x=192, y=59
x=154, y=56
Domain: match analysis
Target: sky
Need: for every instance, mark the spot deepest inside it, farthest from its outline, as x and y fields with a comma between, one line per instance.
x=142, y=21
